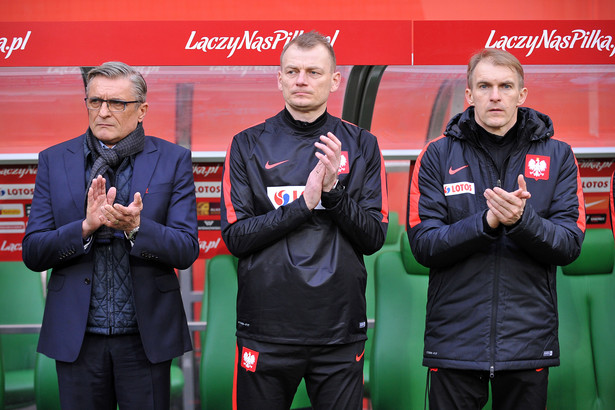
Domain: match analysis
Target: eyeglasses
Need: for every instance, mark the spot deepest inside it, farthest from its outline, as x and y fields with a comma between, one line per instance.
x=112, y=105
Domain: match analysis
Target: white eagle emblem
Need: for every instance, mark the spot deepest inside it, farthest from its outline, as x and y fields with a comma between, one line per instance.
x=342, y=164
x=537, y=167
x=248, y=360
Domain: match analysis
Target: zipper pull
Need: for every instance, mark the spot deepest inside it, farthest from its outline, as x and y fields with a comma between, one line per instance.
x=499, y=183
x=491, y=369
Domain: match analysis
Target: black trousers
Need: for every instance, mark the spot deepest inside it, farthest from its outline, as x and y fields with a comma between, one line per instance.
x=267, y=375
x=112, y=371
x=469, y=389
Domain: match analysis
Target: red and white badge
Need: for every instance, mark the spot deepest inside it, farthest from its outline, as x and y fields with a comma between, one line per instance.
x=537, y=166
x=249, y=359
x=344, y=163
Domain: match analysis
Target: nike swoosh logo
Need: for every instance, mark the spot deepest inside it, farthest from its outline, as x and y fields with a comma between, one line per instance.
x=269, y=166
x=359, y=357
x=454, y=171
x=590, y=204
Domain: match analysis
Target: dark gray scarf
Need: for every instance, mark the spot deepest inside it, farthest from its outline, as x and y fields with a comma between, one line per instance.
x=109, y=160
x=105, y=159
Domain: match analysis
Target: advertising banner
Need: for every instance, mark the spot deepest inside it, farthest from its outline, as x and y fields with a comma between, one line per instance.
x=532, y=41
x=185, y=43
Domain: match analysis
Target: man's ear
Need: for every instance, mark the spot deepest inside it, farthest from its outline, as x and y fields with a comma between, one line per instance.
x=469, y=97
x=143, y=110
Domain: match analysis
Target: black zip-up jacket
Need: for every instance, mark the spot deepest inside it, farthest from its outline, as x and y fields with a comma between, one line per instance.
x=492, y=302
x=301, y=274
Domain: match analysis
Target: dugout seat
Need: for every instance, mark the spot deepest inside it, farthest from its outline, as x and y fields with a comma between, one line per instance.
x=397, y=376
x=21, y=302
x=585, y=378
x=394, y=232
x=1, y=381
x=219, y=342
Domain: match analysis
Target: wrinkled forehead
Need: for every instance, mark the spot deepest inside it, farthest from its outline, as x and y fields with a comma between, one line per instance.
x=487, y=71
x=316, y=56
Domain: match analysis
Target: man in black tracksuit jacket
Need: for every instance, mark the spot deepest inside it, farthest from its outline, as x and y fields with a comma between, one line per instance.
x=495, y=204
x=304, y=198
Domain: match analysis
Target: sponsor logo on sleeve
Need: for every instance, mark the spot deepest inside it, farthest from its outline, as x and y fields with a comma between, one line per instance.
x=284, y=195
x=459, y=188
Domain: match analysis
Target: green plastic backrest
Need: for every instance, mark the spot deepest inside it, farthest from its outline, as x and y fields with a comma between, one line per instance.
x=391, y=242
x=597, y=254
x=393, y=230
x=219, y=343
x=21, y=302
x=410, y=264
x=585, y=295
x=46, y=384
x=397, y=376
x=1, y=380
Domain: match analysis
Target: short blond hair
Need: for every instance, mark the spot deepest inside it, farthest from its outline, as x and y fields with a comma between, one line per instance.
x=308, y=41
x=496, y=57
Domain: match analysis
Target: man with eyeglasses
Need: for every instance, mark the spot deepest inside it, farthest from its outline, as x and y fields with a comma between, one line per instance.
x=113, y=216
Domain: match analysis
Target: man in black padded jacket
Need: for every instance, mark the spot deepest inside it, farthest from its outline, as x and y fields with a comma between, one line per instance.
x=304, y=198
x=495, y=204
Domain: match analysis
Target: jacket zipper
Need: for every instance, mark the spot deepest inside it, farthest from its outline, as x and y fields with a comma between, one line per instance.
x=496, y=276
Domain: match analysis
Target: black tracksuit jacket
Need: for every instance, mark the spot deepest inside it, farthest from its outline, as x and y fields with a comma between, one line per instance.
x=301, y=274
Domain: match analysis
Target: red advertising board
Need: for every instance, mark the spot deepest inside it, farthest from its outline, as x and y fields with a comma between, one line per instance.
x=17, y=189
x=237, y=43
x=208, y=186
x=199, y=43
x=532, y=42
x=596, y=179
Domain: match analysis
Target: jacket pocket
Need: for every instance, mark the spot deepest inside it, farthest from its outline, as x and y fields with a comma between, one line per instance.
x=167, y=283
x=56, y=282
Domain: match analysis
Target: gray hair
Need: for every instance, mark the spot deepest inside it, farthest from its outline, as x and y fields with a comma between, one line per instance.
x=116, y=69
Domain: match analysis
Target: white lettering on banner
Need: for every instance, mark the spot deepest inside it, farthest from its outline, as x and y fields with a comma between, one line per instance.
x=12, y=227
x=207, y=189
x=249, y=41
x=459, y=188
x=578, y=38
x=595, y=165
x=207, y=246
x=205, y=171
x=19, y=171
x=596, y=184
x=16, y=191
x=18, y=43
x=10, y=247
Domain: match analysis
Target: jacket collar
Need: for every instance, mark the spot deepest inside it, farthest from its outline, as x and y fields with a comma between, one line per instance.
x=533, y=125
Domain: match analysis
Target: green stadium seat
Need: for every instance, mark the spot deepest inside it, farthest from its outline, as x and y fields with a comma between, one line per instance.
x=1, y=381
x=46, y=384
x=394, y=232
x=397, y=376
x=219, y=342
x=585, y=378
x=21, y=302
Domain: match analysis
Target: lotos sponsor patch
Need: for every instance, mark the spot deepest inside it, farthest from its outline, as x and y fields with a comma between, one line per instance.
x=458, y=188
